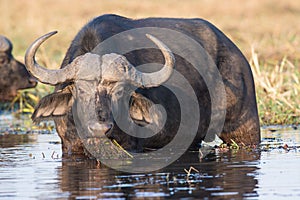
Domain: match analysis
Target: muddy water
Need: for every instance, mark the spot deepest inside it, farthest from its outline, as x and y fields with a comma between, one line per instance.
x=31, y=167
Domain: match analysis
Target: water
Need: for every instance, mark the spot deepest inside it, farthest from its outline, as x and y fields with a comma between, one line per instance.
x=31, y=167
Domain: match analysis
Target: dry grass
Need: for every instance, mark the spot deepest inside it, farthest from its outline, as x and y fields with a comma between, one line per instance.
x=271, y=27
x=278, y=90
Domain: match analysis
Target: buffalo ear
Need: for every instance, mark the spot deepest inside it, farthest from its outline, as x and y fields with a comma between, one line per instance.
x=53, y=105
x=139, y=109
x=142, y=112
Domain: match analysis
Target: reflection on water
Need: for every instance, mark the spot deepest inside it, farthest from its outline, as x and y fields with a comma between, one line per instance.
x=31, y=167
x=217, y=177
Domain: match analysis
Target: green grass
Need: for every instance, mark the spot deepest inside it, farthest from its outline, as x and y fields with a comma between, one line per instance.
x=27, y=99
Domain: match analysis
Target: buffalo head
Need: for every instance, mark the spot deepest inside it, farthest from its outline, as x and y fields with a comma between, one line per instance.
x=14, y=75
x=95, y=82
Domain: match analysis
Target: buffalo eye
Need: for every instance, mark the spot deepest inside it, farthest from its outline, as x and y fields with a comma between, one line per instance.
x=3, y=60
x=119, y=93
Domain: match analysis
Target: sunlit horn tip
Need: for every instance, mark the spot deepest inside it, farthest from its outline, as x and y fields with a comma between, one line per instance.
x=159, y=43
x=49, y=34
x=151, y=37
x=34, y=46
x=44, y=37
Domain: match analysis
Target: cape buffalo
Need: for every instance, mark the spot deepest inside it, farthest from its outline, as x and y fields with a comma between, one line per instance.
x=76, y=82
x=14, y=75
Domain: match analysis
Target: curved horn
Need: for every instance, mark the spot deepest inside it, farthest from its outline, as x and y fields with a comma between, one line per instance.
x=157, y=78
x=44, y=75
x=5, y=44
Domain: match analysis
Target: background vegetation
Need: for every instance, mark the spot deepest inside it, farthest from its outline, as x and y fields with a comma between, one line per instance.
x=267, y=32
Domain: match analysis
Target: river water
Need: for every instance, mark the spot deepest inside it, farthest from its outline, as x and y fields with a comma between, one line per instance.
x=31, y=167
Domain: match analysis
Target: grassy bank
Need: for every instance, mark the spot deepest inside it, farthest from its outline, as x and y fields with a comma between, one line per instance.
x=267, y=32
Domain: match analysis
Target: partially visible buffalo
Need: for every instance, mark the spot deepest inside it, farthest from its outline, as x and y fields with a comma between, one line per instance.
x=14, y=75
x=116, y=72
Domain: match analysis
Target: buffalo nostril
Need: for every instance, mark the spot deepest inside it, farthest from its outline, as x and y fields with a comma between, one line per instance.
x=32, y=81
x=97, y=129
x=109, y=128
